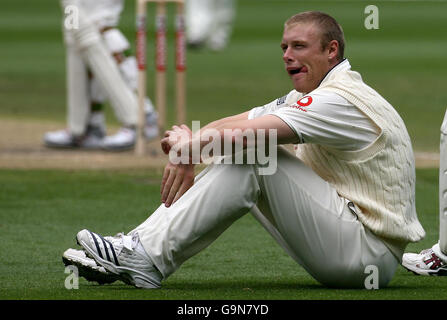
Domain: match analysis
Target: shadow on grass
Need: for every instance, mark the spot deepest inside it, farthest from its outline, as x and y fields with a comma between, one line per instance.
x=405, y=287
x=255, y=285
x=215, y=285
x=405, y=282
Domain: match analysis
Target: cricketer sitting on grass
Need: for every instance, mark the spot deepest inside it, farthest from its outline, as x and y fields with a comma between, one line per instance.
x=345, y=202
x=433, y=261
x=99, y=67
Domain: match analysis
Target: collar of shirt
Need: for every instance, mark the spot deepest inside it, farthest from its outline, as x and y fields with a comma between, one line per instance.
x=341, y=66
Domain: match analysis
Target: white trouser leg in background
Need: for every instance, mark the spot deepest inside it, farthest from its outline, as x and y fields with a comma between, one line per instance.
x=209, y=21
x=104, y=68
x=129, y=71
x=223, y=16
x=443, y=187
x=199, y=19
x=78, y=100
x=299, y=209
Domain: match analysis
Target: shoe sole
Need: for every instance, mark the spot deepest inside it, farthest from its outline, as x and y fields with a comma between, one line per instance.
x=127, y=275
x=90, y=274
x=123, y=148
x=72, y=147
x=439, y=273
x=60, y=146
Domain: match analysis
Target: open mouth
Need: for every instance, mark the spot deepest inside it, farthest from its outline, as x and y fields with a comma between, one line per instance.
x=293, y=71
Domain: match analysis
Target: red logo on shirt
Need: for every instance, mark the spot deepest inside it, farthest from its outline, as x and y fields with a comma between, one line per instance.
x=305, y=101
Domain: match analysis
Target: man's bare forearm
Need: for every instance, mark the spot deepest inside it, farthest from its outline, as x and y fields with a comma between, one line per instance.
x=220, y=122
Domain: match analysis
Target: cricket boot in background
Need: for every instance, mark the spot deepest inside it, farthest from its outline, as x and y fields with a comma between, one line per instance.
x=91, y=139
x=429, y=262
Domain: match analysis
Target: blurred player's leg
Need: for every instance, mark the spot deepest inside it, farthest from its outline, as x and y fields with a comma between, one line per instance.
x=78, y=101
x=433, y=261
x=443, y=187
x=105, y=69
x=199, y=16
x=219, y=36
x=127, y=64
x=119, y=47
x=209, y=22
x=129, y=70
x=99, y=69
x=83, y=130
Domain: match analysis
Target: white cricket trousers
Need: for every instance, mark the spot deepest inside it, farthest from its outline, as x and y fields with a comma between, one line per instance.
x=302, y=212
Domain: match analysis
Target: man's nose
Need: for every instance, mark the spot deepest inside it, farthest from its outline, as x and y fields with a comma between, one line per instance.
x=287, y=57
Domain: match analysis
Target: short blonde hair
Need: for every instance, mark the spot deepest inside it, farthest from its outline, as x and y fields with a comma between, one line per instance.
x=330, y=28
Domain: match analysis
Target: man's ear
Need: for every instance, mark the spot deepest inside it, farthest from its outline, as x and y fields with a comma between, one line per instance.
x=332, y=48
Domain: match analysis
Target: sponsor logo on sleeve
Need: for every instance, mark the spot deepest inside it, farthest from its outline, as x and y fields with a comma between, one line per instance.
x=303, y=103
x=281, y=100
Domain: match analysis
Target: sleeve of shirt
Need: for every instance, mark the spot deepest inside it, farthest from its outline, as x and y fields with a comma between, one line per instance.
x=325, y=118
x=268, y=108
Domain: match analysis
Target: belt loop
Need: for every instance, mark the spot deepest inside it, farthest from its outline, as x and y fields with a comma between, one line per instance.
x=351, y=207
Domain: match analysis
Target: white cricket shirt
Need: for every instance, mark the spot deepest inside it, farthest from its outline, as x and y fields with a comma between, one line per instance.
x=322, y=117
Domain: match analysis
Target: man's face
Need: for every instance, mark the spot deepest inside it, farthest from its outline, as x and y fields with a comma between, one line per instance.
x=305, y=60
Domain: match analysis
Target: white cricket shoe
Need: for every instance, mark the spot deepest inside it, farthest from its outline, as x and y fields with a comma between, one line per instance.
x=122, y=255
x=426, y=263
x=122, y=140
x=92, y=139
x=87, y=267
x=60, y=138
x=64, y=139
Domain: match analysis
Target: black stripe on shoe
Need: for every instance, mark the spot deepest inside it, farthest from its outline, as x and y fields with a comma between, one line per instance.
x=114, y=255
x=111, y=249
x=105, y=248
x=96, y=244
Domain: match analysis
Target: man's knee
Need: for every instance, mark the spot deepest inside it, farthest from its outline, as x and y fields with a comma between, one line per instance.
x=231, y=169
x=341, y=275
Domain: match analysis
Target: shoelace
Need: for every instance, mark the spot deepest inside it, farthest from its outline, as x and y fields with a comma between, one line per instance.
x=127, y=241
x=428, y=258
x=426, y=252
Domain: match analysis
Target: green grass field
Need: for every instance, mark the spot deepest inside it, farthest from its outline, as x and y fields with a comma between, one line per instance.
x=41, y=210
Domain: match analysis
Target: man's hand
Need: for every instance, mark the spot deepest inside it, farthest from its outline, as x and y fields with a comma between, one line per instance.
x=177, y=179
x=176, y=138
